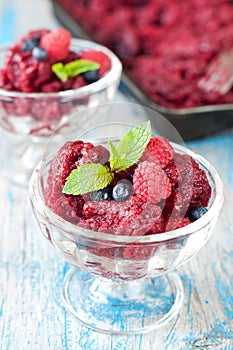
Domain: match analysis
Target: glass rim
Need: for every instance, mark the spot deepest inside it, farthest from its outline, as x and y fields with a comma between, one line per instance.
x=108, y=79
x=78, y=231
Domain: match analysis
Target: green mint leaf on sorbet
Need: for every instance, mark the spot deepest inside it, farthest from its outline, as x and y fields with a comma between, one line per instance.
x=74, y=68
x=130, y=148
x=114, y=156
x=87, y=178
x=80, y=66
x=59, y=70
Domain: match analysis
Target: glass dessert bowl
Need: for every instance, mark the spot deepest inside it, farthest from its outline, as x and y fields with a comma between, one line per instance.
x=123, y=280
x=27, y=119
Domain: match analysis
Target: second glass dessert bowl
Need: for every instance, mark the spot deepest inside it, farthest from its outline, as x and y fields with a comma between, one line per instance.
x=28, y=119
x=122, y=284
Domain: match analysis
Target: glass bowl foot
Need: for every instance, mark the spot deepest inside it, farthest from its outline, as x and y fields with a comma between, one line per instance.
x=122, y=307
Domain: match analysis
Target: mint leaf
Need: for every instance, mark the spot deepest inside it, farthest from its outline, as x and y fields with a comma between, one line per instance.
x=74, y=68
x=87, y=178
x=59, y=70
x=114, y=157
x=130, y=148
x=80, y=66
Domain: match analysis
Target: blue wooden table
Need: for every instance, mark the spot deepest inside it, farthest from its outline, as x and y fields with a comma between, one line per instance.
x=31, y=312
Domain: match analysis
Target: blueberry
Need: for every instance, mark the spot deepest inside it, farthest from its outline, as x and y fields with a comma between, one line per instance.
x=39, y=53
x=122, y=191
x=196, y=212
x=104, y=194
x=29, y=44
x=91, y=76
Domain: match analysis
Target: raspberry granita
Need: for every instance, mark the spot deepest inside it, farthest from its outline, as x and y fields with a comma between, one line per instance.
x=139, y=186
x=44, y=62
x=166, y=46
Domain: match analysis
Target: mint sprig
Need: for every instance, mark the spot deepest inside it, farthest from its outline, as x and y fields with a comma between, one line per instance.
x=95, y=176
x=74, y=68
x=87, y=178
x=59, y=70
x=130, y=147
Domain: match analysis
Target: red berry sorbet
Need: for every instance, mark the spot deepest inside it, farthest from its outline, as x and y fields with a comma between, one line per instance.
x=27, y=68
x=165, y=45
x=164, y=188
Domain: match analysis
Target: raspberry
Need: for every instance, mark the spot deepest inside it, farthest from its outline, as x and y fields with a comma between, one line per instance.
x=56, y=43
x=160, y=150
x=150, y=182
x=98, y=57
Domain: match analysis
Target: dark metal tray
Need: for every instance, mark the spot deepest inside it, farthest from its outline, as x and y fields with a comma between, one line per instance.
x=191, y=123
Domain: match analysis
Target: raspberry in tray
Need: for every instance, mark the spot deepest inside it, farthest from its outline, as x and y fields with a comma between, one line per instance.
x=112, y=188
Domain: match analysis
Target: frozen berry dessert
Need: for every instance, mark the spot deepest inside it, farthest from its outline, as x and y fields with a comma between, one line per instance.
x=166, y=46
x=139, y=186
x=44, y=62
